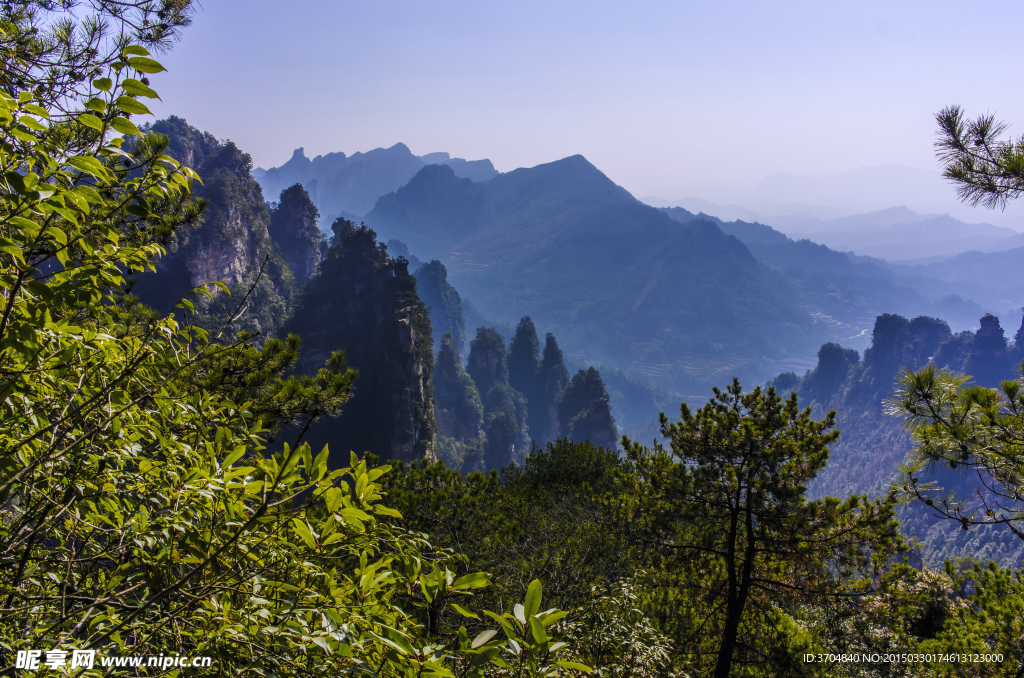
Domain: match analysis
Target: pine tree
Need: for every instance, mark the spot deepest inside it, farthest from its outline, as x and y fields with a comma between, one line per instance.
x=727, y=502
x=987, y=169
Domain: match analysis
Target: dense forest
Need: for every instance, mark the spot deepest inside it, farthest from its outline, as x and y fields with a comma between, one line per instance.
x=226, y=435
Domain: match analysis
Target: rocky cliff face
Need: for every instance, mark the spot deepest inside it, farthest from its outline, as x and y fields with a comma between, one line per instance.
x=365, y=303
x=444, y=303
x=231, y=244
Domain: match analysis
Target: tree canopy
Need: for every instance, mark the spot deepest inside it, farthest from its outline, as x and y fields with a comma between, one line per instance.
x=987, y=169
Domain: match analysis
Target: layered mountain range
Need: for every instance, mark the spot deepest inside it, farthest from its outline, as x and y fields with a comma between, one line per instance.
x=665, y=301
x=349, y=185
x=619, y=282
x=676, y=299
x=349, y=294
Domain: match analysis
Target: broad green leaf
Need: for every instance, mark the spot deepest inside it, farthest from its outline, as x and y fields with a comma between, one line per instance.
x=463, y=611
x=32, y=123
x=130, y=105
x=475, y=580
x=88, y=192
x=575, y=666
x=90, y=120
x=537, y=631
x=505, y=625
x=102, y=84
x=549, y=618
x=135, y=49
x=36, y=110
x=8, y=246
x=145, y=64
x=533, y=598
x=482, y=638
x=89, y=166
x=125, y=126
x=400, y=641
x=137, y=88
x=304, y=533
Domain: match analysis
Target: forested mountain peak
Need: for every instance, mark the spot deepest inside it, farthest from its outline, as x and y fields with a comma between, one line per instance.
x=365, y=303
x=435, y=207
x=569, y=181
x=563, y=244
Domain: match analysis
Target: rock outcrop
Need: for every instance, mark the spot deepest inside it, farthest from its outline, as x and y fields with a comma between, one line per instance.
x=230, y=245
x=867, y=457
x=554, y=377
x=293, y=229
x=365, y=303
x=488, y=359
x=459, y=411
x=444, y=304
x=989, y=361
x=584, y=412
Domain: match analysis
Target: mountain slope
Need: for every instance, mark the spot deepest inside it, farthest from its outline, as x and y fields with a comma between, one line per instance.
x=618, y=281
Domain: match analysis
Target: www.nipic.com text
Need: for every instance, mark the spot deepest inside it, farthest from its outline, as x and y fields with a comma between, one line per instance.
x=33, y=660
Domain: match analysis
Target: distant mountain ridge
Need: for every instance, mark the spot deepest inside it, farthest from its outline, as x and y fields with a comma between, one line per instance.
x=619, y=282
x=893, y=234
x=349, y=186
x=851, y=289
x=900, y=234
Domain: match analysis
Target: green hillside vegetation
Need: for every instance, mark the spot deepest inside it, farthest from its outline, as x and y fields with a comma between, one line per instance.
x=177, y=532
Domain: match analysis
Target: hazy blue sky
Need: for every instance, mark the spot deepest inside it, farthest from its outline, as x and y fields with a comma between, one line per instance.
x=662, y=96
